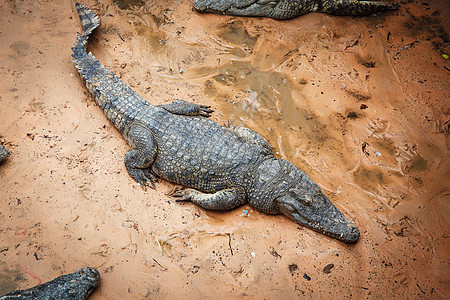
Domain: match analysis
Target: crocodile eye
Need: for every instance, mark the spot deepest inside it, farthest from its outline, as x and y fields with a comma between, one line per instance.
x=306, y=200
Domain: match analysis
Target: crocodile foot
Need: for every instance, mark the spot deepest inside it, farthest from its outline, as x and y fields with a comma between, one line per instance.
x=177, y=189
x=183, y=194
x=144, y=177
x=181, y=107
x=226, y=199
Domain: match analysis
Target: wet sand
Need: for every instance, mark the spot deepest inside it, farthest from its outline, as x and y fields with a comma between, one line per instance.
x=360, y=104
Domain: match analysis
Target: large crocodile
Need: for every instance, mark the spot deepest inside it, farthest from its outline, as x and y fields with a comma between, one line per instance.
x=288, y=9
x=225, y=167
x=76, y=286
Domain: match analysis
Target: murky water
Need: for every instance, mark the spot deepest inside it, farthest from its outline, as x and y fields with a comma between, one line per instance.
x=360, y=104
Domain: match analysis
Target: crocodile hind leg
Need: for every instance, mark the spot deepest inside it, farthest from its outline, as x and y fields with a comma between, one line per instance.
x=181, y=107
x=139, y=160
x=355, y=7
x=222, y=200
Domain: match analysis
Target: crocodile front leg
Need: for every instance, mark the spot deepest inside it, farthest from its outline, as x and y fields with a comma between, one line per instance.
x=139, y=160
x=222, y=200
x=251, y=137
x=181, y=107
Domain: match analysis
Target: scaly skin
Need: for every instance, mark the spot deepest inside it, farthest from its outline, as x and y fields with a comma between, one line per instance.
x=3, y=153
x=224, y=166
x=288, y=9
x=75, y=286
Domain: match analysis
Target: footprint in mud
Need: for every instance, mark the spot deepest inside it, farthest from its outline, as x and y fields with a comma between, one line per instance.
x=369, y=179
x=378, y=126
x=414, y=162
x=236, y=34
x=234, y=40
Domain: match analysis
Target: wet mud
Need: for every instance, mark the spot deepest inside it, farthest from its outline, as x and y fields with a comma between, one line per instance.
x=360, y=104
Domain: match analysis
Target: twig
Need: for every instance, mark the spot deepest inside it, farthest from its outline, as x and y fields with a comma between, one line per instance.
x=420, y=289
x=34, y=276
x=229, y=243
x=162, y=268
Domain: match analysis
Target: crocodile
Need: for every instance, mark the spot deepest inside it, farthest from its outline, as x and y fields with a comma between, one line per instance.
x=288, y=9
x=220, y=167
x=3, y=153
x=76, y=286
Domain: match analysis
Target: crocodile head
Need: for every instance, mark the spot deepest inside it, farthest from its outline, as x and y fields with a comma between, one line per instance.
x=306, y=204
x=77, y=285
x=283, y=188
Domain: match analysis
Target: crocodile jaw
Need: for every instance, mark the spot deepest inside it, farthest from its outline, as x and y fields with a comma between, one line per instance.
x=319, y=215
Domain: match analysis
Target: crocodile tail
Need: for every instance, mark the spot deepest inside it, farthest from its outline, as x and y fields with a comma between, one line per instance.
x=355, y=7
x=89, y=21
x=84, y=61
x=118, y=101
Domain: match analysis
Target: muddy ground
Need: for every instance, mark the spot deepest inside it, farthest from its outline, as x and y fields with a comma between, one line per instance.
x=360, y=104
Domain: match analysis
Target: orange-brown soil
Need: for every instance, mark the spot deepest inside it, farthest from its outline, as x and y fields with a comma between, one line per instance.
x=360, y=104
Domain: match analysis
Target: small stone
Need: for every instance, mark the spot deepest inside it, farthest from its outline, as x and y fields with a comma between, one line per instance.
x=293, y=268
x=327, y=268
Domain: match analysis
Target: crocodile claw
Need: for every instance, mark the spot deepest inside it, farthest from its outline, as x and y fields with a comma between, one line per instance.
x=151, y=178
x=204, y=111
x=228, y=124
x=144, y=177
x=184, y=194
x=175, y=190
